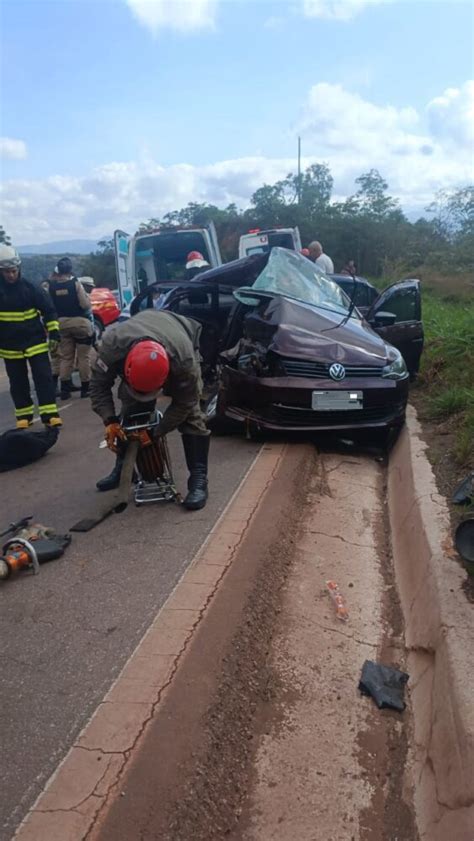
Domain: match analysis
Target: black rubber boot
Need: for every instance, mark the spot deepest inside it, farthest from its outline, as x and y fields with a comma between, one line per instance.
x=196, y=450
x=56, y=385
x=112, y=481
x=67, y=387
x=85, y=389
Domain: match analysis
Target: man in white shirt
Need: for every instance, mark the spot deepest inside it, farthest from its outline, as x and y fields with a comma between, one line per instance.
x=321, y=260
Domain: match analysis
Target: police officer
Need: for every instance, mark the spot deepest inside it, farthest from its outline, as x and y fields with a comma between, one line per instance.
x=76, y=328
x=27, y=320
x=151, y=351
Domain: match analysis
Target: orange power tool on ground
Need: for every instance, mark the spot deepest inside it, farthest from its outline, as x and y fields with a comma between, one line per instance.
x=29, y=546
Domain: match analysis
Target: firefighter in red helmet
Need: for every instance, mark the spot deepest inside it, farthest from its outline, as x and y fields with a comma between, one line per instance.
x=195, y=264
x=154, y=351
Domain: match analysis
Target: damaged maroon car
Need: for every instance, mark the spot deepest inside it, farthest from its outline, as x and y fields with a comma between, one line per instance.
x=285, y=348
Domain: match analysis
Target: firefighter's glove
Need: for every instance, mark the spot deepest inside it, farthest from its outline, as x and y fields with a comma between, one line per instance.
x=113, y=435
x=53, y=340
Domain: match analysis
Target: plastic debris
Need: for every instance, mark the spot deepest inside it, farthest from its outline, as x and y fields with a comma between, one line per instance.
x=341, y=610
x=385, y=684
x=464, y=493
x=464, y=540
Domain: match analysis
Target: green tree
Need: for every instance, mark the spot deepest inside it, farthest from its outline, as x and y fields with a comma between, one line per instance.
x=371, y=195
x=4, y=238
x=101, y=265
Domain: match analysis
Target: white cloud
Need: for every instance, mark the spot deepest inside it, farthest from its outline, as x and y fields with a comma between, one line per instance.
x=343, y=10
x=353, y=135
x=12, y=150
x=416, y=153
x=451, y=115
x=182, y=15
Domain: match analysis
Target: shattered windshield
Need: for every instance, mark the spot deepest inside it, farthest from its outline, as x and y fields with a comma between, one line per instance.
x=291, y=274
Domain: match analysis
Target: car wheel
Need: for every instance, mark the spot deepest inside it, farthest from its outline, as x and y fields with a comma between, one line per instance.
x=218, y=424
x=98, y=329
x=255, y=433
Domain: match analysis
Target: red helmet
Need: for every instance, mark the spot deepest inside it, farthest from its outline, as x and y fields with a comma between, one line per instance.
x=195, y=260
x=146, y=368
x=305, y=252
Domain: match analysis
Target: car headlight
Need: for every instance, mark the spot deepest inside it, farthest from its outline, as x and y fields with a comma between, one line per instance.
x=396, y=368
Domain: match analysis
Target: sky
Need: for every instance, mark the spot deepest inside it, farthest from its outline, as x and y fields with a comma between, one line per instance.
x=115, y=111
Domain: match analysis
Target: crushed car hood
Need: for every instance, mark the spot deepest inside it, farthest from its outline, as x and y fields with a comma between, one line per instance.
x=300, y=330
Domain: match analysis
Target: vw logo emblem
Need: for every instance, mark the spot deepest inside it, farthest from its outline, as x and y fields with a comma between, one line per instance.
x=337, y=371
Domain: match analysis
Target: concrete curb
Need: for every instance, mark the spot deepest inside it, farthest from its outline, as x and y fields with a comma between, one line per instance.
x=77, y=792
x=439, y=637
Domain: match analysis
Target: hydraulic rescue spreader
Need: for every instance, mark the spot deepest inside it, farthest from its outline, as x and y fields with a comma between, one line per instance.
x=29, y=546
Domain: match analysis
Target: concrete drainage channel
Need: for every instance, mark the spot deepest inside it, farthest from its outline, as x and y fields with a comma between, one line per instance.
x=239, y=715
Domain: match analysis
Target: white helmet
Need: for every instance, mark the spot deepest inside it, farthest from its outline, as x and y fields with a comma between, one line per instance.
x=9, y=257
x=87, y=281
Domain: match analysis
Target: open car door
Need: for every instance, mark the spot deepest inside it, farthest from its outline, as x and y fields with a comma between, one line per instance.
x=396, y=316
x=210, y=235
x=123, y=267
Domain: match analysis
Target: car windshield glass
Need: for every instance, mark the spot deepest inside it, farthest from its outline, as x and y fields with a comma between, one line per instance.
x=294, y=276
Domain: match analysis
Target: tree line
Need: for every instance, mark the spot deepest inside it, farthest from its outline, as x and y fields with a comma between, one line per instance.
x=368, y=227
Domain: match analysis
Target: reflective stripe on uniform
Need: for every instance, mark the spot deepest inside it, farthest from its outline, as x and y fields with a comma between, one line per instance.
x=33, y=351
x=24, y=354
x=52, y=325
x=28, y=410
x=11, y=354
x=18, y=316
x=48, y=409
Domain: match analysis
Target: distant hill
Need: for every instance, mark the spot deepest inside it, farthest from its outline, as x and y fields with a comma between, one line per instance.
x=67, y=246
x=37, y=267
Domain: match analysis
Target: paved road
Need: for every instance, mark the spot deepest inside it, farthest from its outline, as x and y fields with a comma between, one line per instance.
x=67, y=633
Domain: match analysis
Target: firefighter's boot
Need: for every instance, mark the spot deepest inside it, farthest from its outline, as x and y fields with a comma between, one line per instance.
x=54, y=422
x=85, y=389
x=196, y=450
x=23, y=423
x=112, y=481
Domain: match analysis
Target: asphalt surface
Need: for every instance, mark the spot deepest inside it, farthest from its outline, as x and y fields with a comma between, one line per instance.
x=67, y=632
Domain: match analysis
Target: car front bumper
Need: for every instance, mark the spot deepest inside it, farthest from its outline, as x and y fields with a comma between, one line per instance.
x=285, y=402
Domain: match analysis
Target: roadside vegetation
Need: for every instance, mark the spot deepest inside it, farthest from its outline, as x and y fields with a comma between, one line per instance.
x=444, y=393
x=447, y=371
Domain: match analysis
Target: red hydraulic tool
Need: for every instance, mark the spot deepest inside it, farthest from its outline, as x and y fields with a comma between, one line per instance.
x=29, y=546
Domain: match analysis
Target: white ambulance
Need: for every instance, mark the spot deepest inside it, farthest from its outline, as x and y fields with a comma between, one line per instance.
x=261, y=242
x=159, y=255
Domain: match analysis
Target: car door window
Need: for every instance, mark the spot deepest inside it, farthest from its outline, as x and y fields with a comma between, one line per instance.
x=195, y=304
x=404, y=305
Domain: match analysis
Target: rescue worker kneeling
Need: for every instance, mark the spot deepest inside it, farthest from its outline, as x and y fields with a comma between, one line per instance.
x=154, y=350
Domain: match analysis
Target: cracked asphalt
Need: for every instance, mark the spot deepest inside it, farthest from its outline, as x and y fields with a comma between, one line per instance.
x=67, y=633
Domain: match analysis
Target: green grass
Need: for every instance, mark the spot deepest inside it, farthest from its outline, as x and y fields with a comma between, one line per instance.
x=451, y=401
x=447, y=368
x=446, y=377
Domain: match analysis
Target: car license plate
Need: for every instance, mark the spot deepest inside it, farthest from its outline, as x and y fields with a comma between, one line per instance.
x=336, y=401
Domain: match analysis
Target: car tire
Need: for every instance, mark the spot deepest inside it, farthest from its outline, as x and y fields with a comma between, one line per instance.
x=216, y=422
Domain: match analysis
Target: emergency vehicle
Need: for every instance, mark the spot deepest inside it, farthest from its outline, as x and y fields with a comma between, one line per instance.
x=160, y=255
x=262, y=242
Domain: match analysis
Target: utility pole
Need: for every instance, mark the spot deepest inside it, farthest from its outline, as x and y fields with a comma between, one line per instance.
x=299, y=169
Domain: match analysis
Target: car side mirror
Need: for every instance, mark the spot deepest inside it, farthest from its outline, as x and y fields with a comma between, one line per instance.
x=383, y=319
